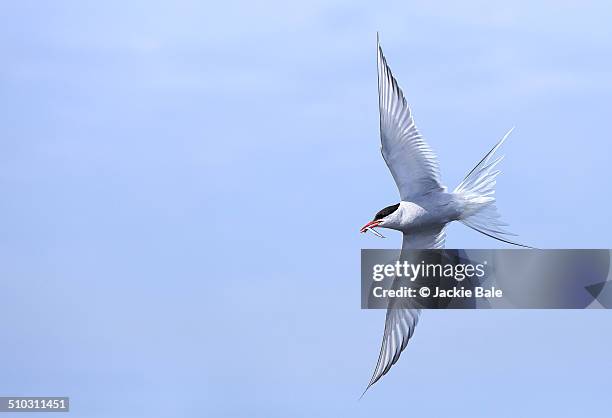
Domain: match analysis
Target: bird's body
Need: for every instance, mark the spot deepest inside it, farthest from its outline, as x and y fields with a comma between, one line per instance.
x=426, y=206
x=423, y=212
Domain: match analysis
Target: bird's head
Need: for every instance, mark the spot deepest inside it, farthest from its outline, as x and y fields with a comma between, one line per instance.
x=385, y=218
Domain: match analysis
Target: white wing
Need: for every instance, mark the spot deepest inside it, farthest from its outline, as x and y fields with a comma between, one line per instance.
x=411, y=161
x=433, y=238
x=402, y=319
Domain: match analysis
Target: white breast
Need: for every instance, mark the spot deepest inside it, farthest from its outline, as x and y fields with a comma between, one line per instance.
x=431, y=210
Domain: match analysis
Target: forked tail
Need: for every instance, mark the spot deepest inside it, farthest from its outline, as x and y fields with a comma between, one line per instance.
x=477, y=191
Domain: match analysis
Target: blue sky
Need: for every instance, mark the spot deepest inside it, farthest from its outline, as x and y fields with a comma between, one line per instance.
x=184, y=181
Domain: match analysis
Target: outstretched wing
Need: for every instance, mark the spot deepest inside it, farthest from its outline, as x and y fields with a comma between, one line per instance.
x=401, y=318
x=411, y=161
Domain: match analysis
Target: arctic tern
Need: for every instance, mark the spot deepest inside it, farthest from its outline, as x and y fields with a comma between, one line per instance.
x=426, y=206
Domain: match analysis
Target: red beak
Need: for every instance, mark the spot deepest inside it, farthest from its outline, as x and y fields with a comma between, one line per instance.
x=371, y=224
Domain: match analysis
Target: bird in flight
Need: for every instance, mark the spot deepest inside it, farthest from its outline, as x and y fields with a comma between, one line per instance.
x=426, y=206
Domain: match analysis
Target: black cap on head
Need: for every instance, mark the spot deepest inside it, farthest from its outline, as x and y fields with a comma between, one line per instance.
x=386, y=211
